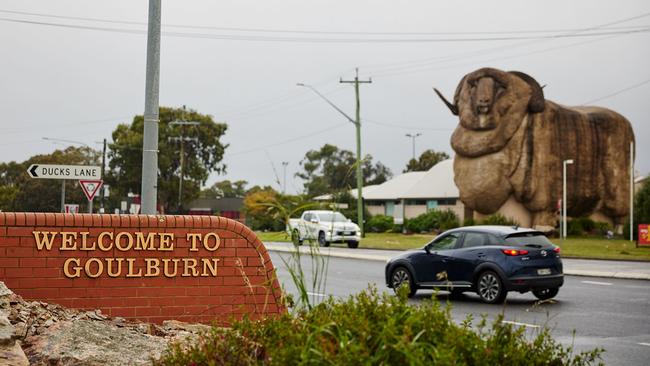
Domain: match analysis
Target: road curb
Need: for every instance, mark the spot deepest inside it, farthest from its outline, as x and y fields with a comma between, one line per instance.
x=383, y=258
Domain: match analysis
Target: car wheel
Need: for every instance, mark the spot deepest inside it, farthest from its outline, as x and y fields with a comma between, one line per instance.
x=295, y=237
x=546, y=293
x=402, y=277
x=321, y=240
x=490, y=288
x=353, y=244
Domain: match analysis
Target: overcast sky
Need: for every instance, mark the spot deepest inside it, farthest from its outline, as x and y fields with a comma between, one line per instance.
x=236, y=61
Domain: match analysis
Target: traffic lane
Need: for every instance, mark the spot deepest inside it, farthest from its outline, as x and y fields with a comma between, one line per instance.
x=609, y=313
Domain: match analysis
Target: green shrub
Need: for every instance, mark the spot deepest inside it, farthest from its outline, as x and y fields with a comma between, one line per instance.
x=641, y=211
x=574, y=228
x=469, y=221
x=374, y=329
x=499, y=219
x=380, y=223
x=447, y=220
x=424, y=222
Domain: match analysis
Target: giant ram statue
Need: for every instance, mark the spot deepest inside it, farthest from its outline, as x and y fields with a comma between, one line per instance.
x=510, y=144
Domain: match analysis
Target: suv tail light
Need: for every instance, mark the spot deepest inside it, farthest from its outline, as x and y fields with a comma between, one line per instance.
x=514, y=252
x=556, y=250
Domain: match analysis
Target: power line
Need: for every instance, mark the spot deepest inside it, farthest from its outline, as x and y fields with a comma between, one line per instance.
x=617, y=92
x=230, y=37
x=332, y=128
x=302, y=31
x=404, y=127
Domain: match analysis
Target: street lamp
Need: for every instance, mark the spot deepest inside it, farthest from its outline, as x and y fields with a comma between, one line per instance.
x=357, y=124
x=413, y=137
x=564, y=164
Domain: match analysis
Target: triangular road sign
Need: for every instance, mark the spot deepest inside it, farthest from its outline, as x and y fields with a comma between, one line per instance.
x=90, y=187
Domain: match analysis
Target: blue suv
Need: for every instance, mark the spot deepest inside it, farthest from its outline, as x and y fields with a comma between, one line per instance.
x=488, y=260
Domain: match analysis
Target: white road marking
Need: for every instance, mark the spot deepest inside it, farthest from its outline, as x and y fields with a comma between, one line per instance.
x=645, y=344
x=597, y=283
x=520, y=324
x=316, y=294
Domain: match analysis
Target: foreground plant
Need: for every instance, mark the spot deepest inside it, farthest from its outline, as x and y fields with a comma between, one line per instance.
x=374, y=329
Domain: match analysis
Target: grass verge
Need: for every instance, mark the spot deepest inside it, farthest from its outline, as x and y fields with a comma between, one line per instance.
x=573, y=247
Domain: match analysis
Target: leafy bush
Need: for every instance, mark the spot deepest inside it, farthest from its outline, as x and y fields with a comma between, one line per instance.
x=380, y=223
x=574, y=228
x=447, y=220
x=433, y=220
x=469, y=221
x=374, y=329
x=499, y=219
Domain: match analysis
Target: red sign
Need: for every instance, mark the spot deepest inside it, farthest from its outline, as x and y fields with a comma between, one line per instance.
x=90, y=187
x=644, y=237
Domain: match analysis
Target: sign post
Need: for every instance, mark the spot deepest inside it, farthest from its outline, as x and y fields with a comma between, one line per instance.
x=90, y=189
x=64, y=172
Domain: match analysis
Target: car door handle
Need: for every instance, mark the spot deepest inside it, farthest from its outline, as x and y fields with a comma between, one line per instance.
x=480, y=254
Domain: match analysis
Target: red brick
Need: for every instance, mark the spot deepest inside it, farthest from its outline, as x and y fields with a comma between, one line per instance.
x=47, y=272
x=148, y=311
x=157, y=292
x=106, y=220
x=127, y=312
x=68, y=219
x=59, y=219
x=38, y=294
x=33, y=262
x=20, y=231
x=2, y=218
x=73, y=292
x=50, y=219
x=162, y=301
x=8, y=241
x=9, y=262
x=247, y=252
x=20, y=252
x=20, y=219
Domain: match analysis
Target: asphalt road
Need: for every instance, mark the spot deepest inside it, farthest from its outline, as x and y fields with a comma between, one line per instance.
x=610, y=313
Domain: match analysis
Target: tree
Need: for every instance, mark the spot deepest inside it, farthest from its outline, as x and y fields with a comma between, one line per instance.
x=331, y=169
x=641, y=210
x=203, y=152
x=426, y=161
x=19, y=192
x=226, y=188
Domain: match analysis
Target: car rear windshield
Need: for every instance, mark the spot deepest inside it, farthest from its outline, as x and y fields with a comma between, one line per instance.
x=528, y=239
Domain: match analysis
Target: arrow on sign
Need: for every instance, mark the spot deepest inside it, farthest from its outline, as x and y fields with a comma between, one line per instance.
x=32, y=171
x=90, y=187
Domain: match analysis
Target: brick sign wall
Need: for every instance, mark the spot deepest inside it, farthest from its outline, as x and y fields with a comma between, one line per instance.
x=145, y=267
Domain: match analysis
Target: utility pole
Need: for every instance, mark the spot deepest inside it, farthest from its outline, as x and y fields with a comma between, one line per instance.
x=101, y=192
x=357, y=124
x=284, y=184
x=149, y=188
x=413, y=137
x=182, y=139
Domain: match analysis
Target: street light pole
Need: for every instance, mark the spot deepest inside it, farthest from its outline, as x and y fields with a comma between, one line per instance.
x=413, y=137
x=284, y=184
x=564, y=164
x=357, y=124
x=149, y=187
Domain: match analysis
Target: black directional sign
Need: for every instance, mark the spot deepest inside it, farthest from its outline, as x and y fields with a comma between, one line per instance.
x=76, y=172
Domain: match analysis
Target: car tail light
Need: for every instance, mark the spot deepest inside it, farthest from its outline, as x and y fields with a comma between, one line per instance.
x=556, y=250
x=514, y=252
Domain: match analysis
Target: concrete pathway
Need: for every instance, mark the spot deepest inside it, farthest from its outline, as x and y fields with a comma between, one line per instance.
x=573, y=267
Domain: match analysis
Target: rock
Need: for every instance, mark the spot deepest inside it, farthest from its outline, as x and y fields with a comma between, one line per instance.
x=13, y=356
x=87, y=342
x=53, y=335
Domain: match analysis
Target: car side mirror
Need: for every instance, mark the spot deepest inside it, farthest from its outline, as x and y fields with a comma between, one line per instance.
x=426, y=249
x=349, y=220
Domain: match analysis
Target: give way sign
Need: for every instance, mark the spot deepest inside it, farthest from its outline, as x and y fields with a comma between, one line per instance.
x=90, y=187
